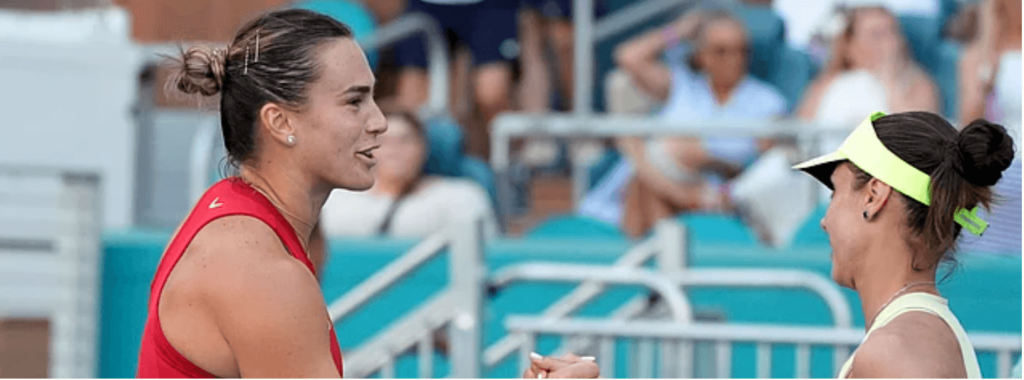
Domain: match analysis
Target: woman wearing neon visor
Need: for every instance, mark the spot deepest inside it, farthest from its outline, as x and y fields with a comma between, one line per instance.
x=904, y=185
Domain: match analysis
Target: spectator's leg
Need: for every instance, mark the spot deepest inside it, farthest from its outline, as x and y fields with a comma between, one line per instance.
x=534, y=84
x=562, y=41
x=492, y=83
x=493, y=39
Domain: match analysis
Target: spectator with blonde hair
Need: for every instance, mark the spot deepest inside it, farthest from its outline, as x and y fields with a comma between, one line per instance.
x=870, y=68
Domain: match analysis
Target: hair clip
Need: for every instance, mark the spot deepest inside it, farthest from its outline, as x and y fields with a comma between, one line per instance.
x=257, y=47
x=970, y=220
x=245, y=67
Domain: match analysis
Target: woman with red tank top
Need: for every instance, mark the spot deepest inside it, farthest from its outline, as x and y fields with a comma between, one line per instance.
x=235, y=293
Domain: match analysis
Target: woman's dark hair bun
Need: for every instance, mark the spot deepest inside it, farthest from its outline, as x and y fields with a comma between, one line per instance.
x=200, y=70
x=983, y=151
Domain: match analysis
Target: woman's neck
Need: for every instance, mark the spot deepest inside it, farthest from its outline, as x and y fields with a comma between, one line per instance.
x=888, y=278
x=295, y=197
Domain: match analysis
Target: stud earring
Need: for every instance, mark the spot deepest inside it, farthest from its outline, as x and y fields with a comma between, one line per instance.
x=291, y=141
x=865, y=215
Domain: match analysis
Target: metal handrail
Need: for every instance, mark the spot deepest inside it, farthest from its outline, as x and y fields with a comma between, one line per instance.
x=842, y=315
x=387, y=276
x=586, y=291
x=523, y=125
x=665, y=287
x=764, y=334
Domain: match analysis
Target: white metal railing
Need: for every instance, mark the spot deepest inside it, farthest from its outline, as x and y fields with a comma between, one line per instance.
x=723, y=336
x=458, y=306
x=666, y=246
x=670, y=284
x=50, y=260
x=671, y=294
x=510, y=126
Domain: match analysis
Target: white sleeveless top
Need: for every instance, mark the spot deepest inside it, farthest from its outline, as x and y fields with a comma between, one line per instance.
x=930, y=304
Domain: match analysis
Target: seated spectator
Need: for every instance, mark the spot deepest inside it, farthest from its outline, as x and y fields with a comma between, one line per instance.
x=804, y=18
x=870, y=69
x=703, y=76
x=990, y=87
x=990, y=81
x=403, y=202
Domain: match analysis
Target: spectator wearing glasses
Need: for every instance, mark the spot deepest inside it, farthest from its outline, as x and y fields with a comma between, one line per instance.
x=698, y=66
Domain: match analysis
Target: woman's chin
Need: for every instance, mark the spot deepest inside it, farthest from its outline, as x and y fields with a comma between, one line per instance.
x=361, y=183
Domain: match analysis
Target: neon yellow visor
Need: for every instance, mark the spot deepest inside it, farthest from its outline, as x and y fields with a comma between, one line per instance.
x=863, y=148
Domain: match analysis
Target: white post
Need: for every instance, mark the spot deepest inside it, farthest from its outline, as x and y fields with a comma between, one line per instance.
x=467, y=272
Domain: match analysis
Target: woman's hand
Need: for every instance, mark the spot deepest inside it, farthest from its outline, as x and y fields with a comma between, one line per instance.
x=567, y=367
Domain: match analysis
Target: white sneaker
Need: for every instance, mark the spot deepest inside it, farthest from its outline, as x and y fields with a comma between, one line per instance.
x=772, y=198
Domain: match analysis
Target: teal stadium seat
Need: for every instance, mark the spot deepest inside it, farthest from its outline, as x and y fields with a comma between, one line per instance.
x=718, y=230
x=352, y=13
x=574, y=226
x=771, y=59
x=766, y=34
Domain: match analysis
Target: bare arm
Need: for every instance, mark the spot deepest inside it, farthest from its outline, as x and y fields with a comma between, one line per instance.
x=978, y=65
x=269, y=308
x=972, y=88
x=640, y=56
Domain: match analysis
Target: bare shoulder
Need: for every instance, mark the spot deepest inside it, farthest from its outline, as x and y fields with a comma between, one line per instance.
x=266, y=304
x=246, y=255
x=915, y=344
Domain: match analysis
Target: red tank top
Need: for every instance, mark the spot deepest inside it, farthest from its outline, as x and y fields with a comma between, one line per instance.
x=157, y=358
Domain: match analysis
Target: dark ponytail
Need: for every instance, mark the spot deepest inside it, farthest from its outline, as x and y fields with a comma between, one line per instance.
x=962, y=167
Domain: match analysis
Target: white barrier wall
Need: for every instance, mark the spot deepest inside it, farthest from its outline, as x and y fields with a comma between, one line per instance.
x=68, y=81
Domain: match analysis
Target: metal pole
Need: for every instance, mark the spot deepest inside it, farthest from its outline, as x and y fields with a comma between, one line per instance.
x=467, y=273
x=672, y=245
x=583, y=49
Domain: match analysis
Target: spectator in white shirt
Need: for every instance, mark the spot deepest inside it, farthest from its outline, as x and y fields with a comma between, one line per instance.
x=403, y=202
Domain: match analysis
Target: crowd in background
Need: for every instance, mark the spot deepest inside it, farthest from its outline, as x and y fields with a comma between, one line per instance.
x=710, y=63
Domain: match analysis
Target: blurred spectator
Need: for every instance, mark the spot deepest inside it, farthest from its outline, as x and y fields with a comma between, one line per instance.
x=546, y=33
x=870, y=69
x=489, y=29
x=546, y=24
x=990, y=78
x=703, y=76
x=403, y=202
x=990, y=87
x=804, y=18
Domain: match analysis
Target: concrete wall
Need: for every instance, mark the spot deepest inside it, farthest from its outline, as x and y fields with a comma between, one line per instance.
x=67, y=86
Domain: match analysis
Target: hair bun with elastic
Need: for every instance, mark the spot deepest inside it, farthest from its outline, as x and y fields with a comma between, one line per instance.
x=201, y=70
x=983, y=150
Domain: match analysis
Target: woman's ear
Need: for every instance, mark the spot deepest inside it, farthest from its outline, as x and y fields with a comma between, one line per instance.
x=878, y=194
x=275, y=119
